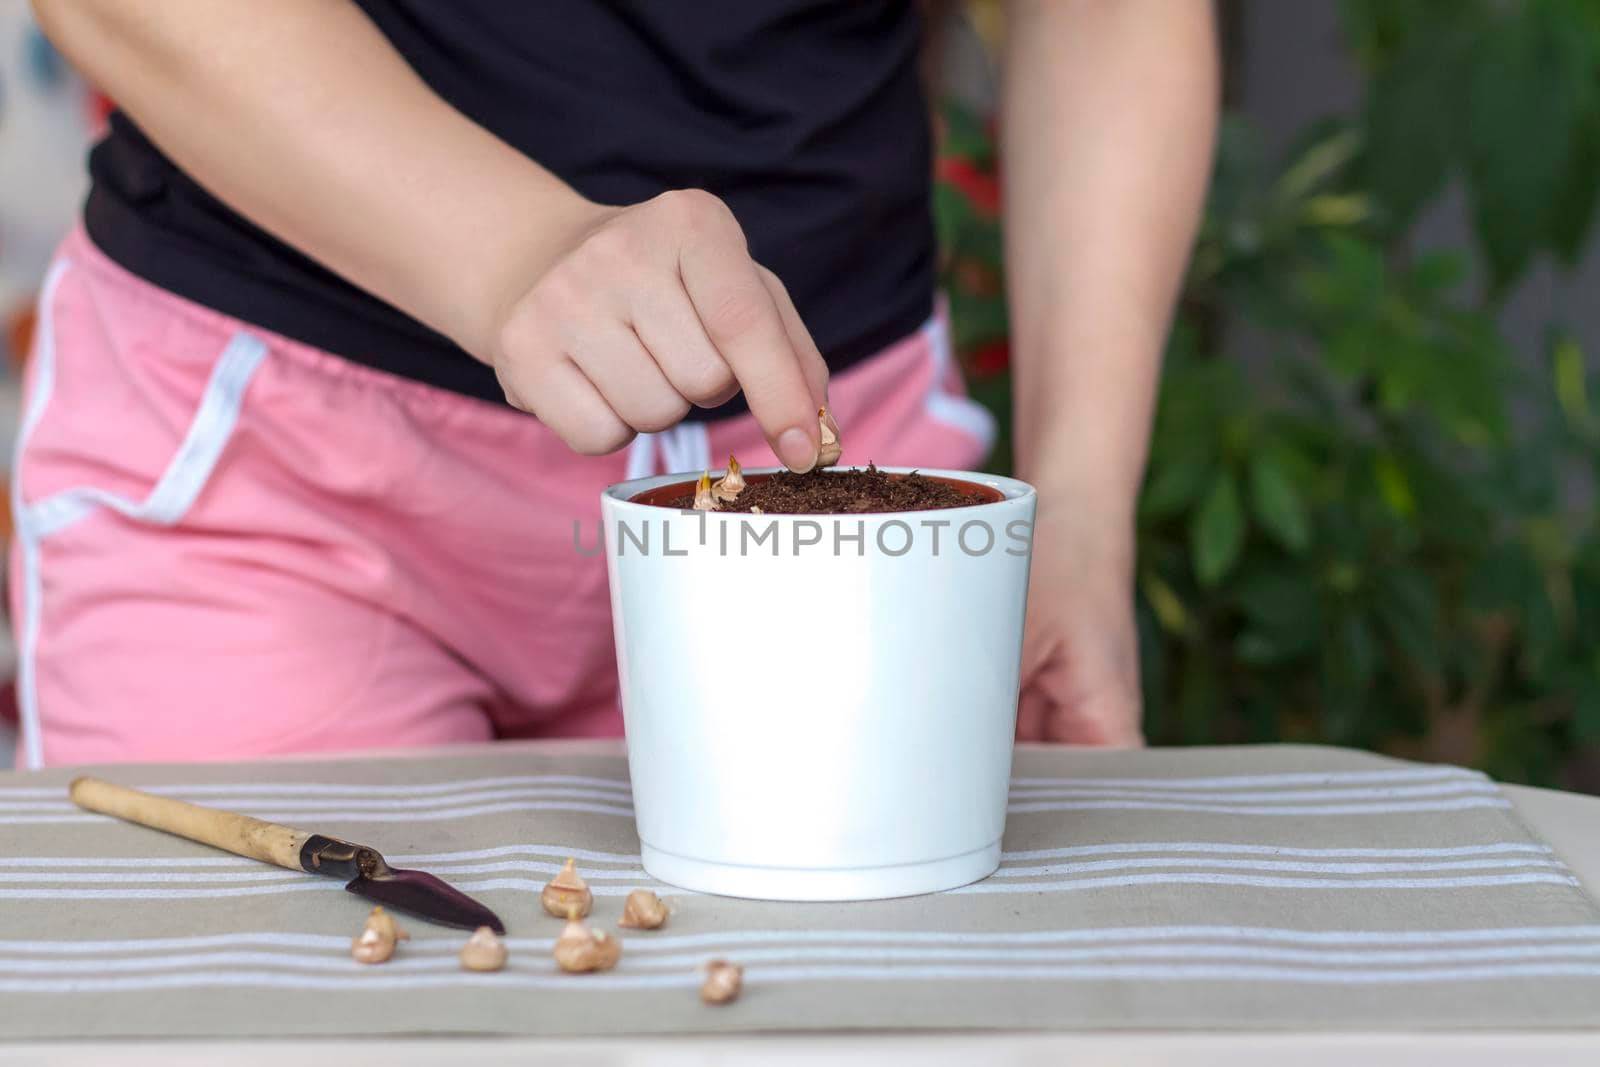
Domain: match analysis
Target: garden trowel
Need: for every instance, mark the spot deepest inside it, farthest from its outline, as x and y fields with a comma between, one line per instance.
x=413, y=892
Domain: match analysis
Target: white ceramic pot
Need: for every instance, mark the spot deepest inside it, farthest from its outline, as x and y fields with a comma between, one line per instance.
x=819, y=707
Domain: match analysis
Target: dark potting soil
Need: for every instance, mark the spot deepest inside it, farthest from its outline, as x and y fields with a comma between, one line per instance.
x=835, y=492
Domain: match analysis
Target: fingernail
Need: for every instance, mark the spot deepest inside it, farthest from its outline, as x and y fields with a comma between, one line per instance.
x=796, y=450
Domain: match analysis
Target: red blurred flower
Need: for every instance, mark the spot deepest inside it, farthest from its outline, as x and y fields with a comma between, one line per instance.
x=98, y=111
x=990, y=359
x=977, y=277
x=981, y=188
x=19, y=323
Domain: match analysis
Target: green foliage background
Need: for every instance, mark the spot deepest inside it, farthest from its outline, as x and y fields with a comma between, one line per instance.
x=1384, y=534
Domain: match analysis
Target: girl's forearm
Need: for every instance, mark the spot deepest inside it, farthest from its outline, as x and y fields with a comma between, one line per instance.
x=1109, y=118
x=301, y=116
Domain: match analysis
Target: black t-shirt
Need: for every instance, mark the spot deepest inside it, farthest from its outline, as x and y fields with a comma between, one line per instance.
x=806, y=116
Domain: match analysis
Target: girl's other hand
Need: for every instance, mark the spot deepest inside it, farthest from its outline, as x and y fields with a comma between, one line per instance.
x=1080, y=659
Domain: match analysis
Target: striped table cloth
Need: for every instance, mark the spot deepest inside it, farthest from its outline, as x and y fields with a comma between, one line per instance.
x=1282, y=887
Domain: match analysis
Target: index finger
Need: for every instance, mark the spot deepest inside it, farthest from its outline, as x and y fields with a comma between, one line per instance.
x=744, y=323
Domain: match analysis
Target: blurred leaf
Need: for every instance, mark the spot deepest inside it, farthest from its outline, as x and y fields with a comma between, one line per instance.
x=1348, y=661
x=1316, y=165
x=1407, y=609
x=1393, y=485
x=1376, y=29
x=1586, y=17
x=965, y=134
x=1571, y=383
x=1174, y=486
x=1380, y=30
x=1276, y=502
x=1153, y=674
x=1586, y=708
x=1280, y=597
x=1572, y=207
x=952, y=215
x=1403, y=373
x=1586, y=596
x=1456, y=496
x=1164, y=602
x=1218, y=531
x=1479, y=375
x=1498, y=582
x=1262, y=648
x=1529, y=479
x=983, y=319
x=1353, y=642
x=1199, y=699
x=1438, y=272
x=1282, y=613
x=1515, y=745
x=1529, y=81
x=1330, y=210
x=1357, y=278
x=1509, y=584
x=1540, y=633
x=1411, y=119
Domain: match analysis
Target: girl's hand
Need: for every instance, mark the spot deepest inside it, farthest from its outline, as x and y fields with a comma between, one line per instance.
x=648, y=311
x=1080, y=658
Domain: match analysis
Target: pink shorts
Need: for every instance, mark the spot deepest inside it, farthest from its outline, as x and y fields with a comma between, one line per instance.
x=230, y=544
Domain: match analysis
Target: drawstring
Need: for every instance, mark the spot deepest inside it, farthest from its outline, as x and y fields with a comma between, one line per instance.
x=641, y=456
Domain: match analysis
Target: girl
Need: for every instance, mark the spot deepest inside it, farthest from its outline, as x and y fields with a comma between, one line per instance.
x=279, y=488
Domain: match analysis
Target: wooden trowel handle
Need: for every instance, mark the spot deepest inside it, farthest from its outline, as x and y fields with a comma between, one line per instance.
x=239, y=834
